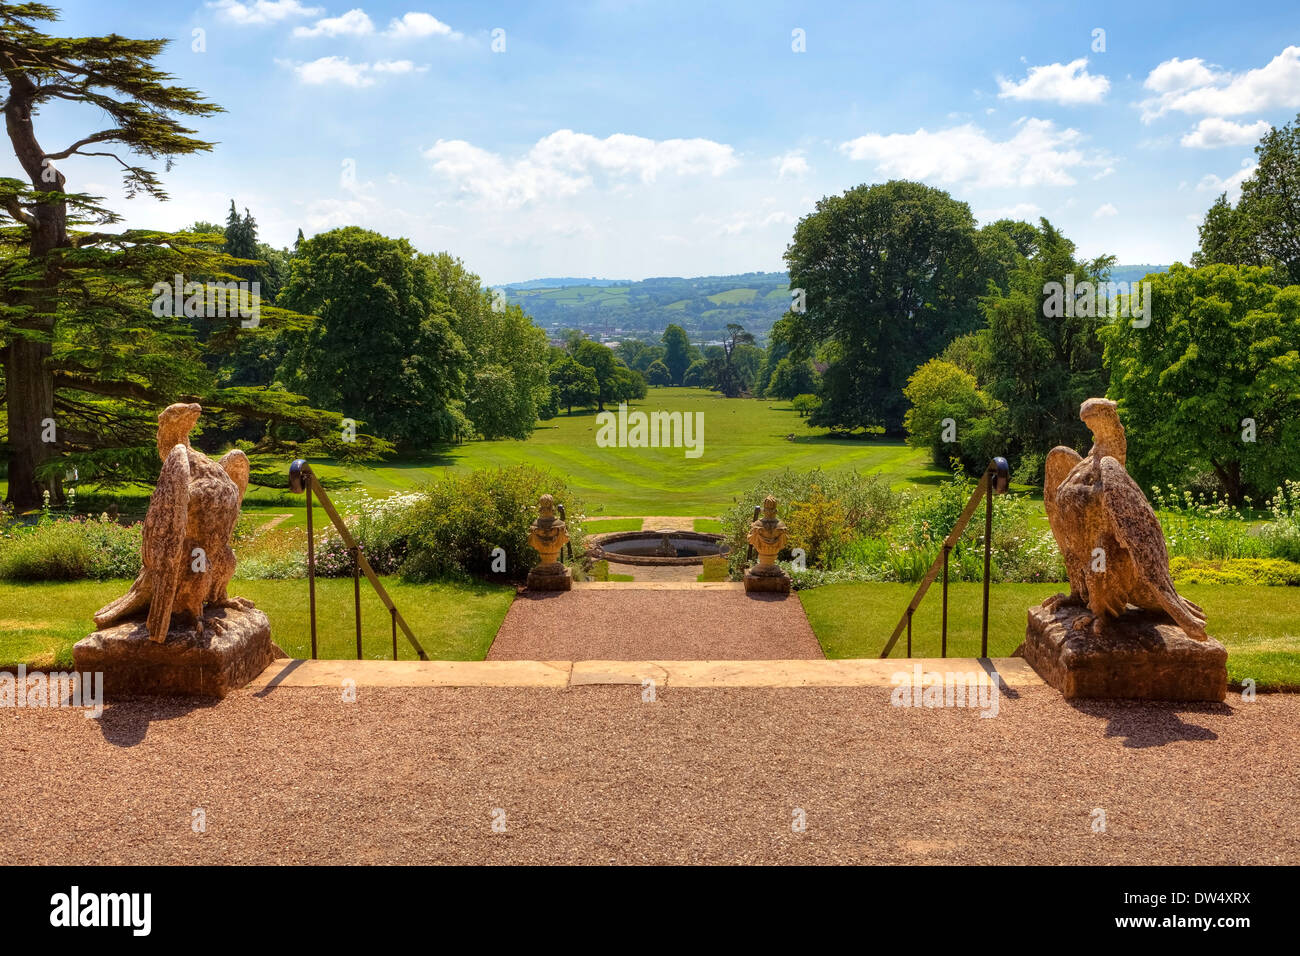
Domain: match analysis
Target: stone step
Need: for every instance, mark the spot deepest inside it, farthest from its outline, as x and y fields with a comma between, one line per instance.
x=659, y=585
x=866, y=672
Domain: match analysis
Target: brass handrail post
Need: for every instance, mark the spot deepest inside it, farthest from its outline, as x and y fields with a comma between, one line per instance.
x=302, y=478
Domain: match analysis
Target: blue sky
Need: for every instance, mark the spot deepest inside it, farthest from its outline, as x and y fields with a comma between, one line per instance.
x=640, y=139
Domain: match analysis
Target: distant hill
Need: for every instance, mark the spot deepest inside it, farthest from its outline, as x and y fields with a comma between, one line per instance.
x=611, y=309
x=1134, y=273
x=561, y=283
x=617, y=309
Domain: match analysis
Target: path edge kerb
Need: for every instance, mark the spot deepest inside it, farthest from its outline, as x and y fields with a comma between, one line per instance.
x=872, y=672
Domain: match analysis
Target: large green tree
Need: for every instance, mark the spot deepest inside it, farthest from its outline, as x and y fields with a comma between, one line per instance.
x=735, y=366
x=677, y=352
x=573, y=384
x=508, y=353
x=1263, y=228
x=1038, y=365
x=383, y=348
x=890, y=274
x=1213, y=384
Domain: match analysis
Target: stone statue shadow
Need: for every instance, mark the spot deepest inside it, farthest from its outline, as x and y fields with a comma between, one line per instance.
x=1151, y=723
x=126, y=720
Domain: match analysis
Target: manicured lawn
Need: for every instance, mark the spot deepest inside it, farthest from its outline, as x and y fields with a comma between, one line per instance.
x=39, y=623
x=613, y=525
x=1260, y=626
x=744, y=439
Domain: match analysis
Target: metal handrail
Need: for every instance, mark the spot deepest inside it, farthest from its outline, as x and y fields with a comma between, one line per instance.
x=303, y=479
x=993, y=482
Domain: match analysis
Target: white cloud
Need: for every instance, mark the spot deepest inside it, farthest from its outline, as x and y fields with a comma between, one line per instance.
x=1027, y=211
x=1232, y=185
x=1212, y=132
x=353, y=23
x=1105, y=211
x=1065, y=83
x=1038, y=154
x=339, y=69
x=397, y=66
x=1189, y=86
x=792, y=164
x=1179, y=74
x=565, y=163
x=415, y=25
x=262, y=11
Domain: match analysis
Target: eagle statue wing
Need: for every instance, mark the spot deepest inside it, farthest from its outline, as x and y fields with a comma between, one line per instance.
x=235, y=465
x=164, y=538
x=1060, y=462
x=1136, y=528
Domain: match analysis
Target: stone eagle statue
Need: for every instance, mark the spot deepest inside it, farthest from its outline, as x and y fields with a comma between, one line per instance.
x=1113, y=547
x=188, y=561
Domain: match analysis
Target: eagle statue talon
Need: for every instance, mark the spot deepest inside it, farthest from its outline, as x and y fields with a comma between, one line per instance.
x=1072, y=599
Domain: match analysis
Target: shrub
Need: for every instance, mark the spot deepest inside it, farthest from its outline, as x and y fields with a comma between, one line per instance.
x=820, y=525
x=66, y=549
x=454, y=523
x=864, y=505
x=1204, y=527
x=805, y=404
x=1265, y=571
x=1281, y=535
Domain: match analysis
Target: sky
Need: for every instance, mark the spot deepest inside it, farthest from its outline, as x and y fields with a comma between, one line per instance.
x=629, y=140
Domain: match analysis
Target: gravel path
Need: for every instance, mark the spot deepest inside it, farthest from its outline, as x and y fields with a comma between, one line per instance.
x=596, y=775
x=638, y=625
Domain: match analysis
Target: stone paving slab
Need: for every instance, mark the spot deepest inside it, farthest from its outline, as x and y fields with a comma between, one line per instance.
x=660, y=585
x=1013, y=672
x=332, y=673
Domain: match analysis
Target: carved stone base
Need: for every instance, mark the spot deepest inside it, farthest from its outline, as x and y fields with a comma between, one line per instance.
x=550, y=577
x=235, y=647
x=768, y=578
x=1140, y=655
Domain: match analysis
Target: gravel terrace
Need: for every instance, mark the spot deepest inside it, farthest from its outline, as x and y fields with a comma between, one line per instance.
x=596, y=775
x=638, y=625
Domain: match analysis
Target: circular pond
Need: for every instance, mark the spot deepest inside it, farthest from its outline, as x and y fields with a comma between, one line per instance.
x=649, y=548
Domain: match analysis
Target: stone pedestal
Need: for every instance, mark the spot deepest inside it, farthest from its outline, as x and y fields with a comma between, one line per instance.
x=768, y=578
x=550, y=577
x=235, y=647
x=1140, y=655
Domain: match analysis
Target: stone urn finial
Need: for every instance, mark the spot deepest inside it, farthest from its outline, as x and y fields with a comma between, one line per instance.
x=548, y=535
x=768, y=536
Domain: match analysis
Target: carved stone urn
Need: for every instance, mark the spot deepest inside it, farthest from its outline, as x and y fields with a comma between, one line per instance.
x=548, y=535
x=768, y=536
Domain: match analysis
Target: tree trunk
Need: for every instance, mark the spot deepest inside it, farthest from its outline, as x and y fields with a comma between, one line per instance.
x=30, y=401
x=1229, y=474
x=28, y=376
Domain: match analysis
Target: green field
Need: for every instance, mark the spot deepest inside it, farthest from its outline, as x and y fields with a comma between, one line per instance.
x=1259, y=626
x=39, y=623
x=744, y=439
